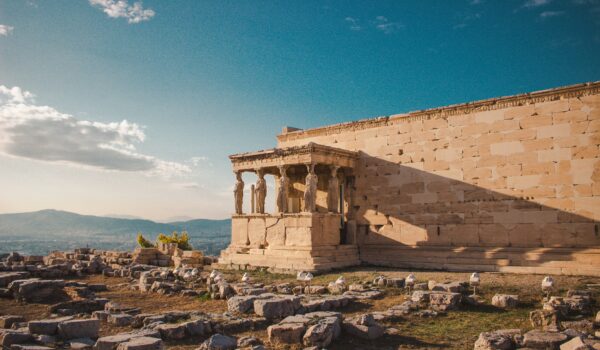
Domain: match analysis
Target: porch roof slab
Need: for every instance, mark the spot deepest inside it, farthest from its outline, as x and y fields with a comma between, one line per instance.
x=310, y=153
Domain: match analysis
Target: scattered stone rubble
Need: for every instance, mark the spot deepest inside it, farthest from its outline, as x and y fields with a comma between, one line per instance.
x=290, y=314
x=560, y=324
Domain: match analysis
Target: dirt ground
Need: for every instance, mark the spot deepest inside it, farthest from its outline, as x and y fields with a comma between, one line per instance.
x=455, y=330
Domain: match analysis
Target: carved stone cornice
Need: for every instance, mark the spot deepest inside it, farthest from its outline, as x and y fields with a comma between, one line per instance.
x=305, y=154
x=571, y=91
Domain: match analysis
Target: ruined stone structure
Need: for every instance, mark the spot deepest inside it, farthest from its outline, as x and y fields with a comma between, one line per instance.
x=506, y=184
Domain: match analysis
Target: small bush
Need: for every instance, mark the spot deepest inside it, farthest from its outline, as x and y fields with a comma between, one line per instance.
x=143, y=242
x=182, y=241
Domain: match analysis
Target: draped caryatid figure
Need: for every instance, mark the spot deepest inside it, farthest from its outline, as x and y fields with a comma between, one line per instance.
x=333, y=189
x=310, y=191
x=282, y=191
x=238, y=192
x=260, y=192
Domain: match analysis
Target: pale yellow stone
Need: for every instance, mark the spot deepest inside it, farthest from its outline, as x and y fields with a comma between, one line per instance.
x=507, y=148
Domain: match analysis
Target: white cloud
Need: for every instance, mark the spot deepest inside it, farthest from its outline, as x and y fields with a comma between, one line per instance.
x=121, y=9
x=536, y=3
x=42, y=133
x=384, y=25
x=354, y=23
x=5, y=30
x=549, y=14
x=465, y=19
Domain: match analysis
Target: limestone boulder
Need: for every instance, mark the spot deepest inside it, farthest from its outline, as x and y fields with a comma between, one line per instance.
x=575, y=344
x=112, y=342
x=444, y=300
x=197, y=327
x=581, y=326
x=47, y=327
x=248, y=342
x=420, y=296
x=142, y=343
x=120, y=320
x=505, y=301
x=543, y=340
x=493, y=341
x=286, y=333
x=29, y=347
x=316, y=289
x=451, y=287
x=394, y=282
x=11, y=337
x=219, y=342
x=544, y=319
x=319, y=335
x=363, y=326
x=275, y=308
x=73, y=329
x=81, y=344
x=38, y=291
x=241, y=304
x=84, y=306
x=335, y=288
x=7, y=277
x=175, y=331
x=7, y=321
x=284, y=288
x=365, y=294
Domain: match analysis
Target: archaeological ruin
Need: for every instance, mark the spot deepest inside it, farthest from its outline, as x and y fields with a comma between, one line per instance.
x=509, y=184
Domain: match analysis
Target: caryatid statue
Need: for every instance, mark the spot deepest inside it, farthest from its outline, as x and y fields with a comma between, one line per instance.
x=310, y=191
x=260, y=192
x=238, y=192
x=333, y=191
x=282, y=191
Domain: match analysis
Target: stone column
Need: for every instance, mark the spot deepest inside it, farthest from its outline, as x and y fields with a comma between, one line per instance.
x=310, y=190
x=333, y=191
x=238, y=192
x=261, y=192
x=252, y=200
x=282, y=191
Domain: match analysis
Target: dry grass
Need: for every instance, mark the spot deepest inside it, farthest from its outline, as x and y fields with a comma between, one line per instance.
x=455, y=330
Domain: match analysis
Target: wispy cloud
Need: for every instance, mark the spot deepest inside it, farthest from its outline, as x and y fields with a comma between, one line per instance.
x=384, y=25
x=536, y=3
x=188, y=186
x=135, y=13
x=354, y=23
x=380, y=23
x=550, y=14
x=475, y=2
x=43, y=133
x=5, y=30
x=465, y=19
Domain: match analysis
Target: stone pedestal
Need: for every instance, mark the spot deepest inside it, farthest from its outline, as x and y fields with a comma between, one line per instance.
x=288, y=242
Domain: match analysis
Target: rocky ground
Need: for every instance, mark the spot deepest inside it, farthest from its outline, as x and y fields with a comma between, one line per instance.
x=103, y=301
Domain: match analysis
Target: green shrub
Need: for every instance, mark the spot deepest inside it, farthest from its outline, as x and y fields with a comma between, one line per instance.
x=143, y=242
x=182, y=241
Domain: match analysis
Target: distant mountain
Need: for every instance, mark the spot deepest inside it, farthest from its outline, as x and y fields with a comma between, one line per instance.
x=178, y=218
x=45, y=230
x=119, y=216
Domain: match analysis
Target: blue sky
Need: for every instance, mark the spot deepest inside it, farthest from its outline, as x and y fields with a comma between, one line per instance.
x=199, y=80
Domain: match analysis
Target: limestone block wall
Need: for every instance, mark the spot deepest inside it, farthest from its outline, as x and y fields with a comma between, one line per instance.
x=508, y=184
x=288, y=242
x=285, y=230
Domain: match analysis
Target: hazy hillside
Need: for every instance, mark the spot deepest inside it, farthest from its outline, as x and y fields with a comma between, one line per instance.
x=46, y=230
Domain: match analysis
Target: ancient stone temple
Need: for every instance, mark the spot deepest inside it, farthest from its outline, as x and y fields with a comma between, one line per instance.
x=506, y=184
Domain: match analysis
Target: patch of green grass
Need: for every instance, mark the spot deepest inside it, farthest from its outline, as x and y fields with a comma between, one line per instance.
x=204, y=297
x=461, y=328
